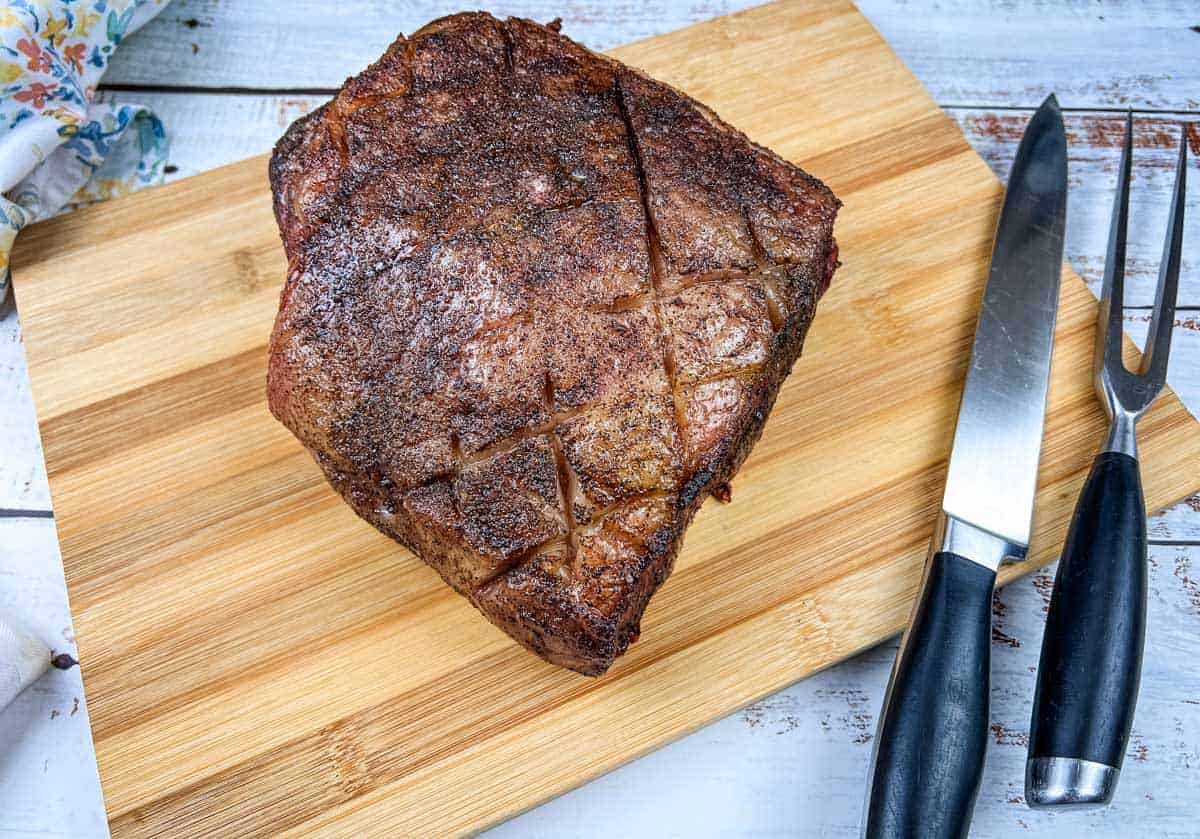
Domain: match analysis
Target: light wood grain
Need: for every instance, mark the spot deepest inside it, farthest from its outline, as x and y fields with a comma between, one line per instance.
x=259, y=660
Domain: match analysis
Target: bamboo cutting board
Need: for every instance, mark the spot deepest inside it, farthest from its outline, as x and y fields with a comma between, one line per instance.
x=259, y=660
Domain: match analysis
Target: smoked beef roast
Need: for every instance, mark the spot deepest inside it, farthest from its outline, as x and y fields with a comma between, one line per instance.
x=538, y=307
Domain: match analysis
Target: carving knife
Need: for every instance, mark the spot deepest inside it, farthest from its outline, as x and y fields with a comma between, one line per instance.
x=929, y=750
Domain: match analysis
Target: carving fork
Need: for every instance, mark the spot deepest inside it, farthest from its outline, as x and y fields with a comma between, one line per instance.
x=1091, y=661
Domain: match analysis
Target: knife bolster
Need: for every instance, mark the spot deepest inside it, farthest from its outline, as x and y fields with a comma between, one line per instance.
x=959, y=537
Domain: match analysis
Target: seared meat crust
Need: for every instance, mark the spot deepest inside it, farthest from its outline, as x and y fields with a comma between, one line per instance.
x=538, y=308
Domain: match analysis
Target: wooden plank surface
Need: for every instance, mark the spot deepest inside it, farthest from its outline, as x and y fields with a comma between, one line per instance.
x=23, y=484
x=123, y=385
x=44, y=733
x=974, y=52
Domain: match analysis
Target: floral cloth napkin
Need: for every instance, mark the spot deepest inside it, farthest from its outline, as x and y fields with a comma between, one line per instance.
x=59, y=148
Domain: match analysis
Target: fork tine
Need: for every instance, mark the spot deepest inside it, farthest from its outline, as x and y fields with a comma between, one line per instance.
x=1158, y=339
x=1112, y=296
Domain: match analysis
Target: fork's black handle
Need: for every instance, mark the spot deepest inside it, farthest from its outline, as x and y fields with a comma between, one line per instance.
x=933, y=733
x=1091, y=662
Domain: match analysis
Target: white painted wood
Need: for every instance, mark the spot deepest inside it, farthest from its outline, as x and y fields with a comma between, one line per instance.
x=1180, y=523
x=213, y=129
x=794, y=764
x=48, y=778
x=1183, y=369
x=22, y=472
x=971, y=52
x=317, y=44
x=1106, y=54
x=1095, y=153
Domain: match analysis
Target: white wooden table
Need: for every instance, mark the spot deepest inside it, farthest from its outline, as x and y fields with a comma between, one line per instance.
x=227, y=81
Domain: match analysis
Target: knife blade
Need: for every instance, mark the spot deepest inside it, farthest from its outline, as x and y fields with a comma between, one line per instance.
x=932, y=737
x=992, y=476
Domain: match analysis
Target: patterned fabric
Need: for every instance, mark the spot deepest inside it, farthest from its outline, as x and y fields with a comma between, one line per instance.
x=59, y=148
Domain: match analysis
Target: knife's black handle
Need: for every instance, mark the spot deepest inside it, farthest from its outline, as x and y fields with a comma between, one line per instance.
x=933, y=732
x=1092, y=651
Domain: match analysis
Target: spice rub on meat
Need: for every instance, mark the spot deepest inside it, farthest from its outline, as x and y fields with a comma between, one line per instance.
x=538, y=308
